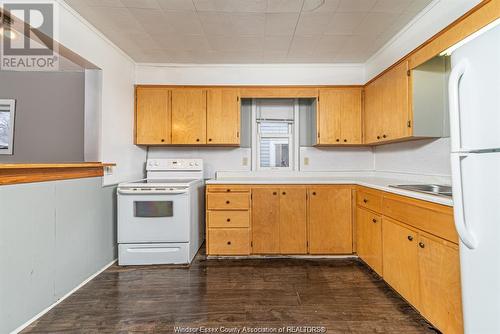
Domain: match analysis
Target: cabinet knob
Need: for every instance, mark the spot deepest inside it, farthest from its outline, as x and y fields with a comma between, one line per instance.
x=314, y=193
x=228, y=190
x=209, y=139
x=421, y=244
x=365, y=200
x=275, y=193
x=284, y=193
x=228, y=220
x=163, y=140
x=384, y=136
x=229, y=242
x=410, y=238
x=378, y=137
x=337, y=140
x=197, y=139
x=227, y=202
x=345, y=140
x=374, y=220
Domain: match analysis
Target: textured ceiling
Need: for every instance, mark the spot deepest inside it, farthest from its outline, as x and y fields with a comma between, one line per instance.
x=249, y=31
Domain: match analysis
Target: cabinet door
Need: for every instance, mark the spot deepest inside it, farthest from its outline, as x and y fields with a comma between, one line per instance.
x=189, y=116
x=329, y=116
x=223, y=116
x=369, y=238
x=350, y=117
x=292, y=229
x=395, y=103
x=265, y=220
x=440, y=292
x=373, y=111
x=152, y=116
x=400, y=259
x=330, y=220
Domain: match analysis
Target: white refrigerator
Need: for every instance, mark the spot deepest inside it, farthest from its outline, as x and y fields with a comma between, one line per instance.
x=474, y=104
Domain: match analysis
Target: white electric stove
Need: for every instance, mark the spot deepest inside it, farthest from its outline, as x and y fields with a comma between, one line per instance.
x=161, y=218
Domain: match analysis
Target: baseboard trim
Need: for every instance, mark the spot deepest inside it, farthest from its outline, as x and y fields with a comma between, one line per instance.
x=262, y=257
x=36, y=317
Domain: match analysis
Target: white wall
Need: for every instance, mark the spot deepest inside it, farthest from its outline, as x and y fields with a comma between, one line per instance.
x=436, y=16
x=117, y=115
x=424, y=157
x=279, y=74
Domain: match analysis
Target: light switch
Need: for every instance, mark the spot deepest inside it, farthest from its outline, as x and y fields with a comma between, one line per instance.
x=244, y=161
x=306, y=161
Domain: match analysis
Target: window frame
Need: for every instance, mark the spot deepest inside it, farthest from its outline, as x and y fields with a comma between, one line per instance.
x=293, y=139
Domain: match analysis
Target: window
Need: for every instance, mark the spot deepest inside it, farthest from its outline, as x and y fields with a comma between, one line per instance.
x=7, y=110
x=274, y=145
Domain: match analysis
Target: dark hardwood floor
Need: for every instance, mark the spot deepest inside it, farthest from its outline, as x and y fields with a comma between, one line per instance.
x=341, y=295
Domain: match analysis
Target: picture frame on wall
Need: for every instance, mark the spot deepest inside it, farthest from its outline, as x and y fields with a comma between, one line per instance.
x=7, y=121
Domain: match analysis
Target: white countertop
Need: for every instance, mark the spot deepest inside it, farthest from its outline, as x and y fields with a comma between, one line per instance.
x=368, y=179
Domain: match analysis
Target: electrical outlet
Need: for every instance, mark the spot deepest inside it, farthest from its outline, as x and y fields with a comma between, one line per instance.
x=244, y=161
x=306, y=161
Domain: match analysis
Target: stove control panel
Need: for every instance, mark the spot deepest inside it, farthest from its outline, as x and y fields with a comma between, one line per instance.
x=174, y=164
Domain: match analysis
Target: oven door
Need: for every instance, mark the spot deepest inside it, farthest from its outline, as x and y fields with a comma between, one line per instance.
x=153, y=217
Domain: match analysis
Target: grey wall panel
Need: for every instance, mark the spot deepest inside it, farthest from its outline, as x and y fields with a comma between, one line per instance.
x=27, y=251
x=53, y=236
x=49, y=125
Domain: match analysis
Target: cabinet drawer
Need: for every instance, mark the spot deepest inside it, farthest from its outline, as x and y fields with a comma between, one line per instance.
x=228, y=201
x=228, y=241
x=227, y=188
x=370, y=200
x=228, y=219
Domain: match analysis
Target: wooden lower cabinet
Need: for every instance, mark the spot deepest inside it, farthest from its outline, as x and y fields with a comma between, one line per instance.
x=265, y=220
x=330, y=220
x=369, y=238
x=229, y=241
x=293, y=221
x=400, y=259
x=440, y=290
x=279, y=220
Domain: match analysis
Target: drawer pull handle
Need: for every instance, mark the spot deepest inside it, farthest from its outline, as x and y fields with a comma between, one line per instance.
x=374, y=220
x=337, y=140
x=365, y=200
x=410, y=238
x=345, y=140
x=284, y=193
x=229, y=242
x=228, y=220
x=421, y=244
x=274, y=193
x=228, y=190
x=227, y=202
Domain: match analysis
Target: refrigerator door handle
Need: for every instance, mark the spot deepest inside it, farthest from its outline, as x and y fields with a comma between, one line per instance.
x=458, y=202
x=454, y=104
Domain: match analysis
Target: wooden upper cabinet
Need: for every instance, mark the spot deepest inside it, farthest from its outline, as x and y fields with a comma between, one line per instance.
x=339, y=116
x=223, y=116
x=388, y=106
x=440, y=292
x=152, y=116
x=330, y=220
x=369, y=238
x=189, y=116
x=396, y=103
x=265, y=220
x=293, y=218
x=400, y=259
x=373, y=111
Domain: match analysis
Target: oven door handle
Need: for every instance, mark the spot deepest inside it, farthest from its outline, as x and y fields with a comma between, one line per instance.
x=150, y=192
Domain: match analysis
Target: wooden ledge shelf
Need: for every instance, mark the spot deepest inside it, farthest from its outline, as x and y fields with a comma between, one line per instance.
x=40, y=172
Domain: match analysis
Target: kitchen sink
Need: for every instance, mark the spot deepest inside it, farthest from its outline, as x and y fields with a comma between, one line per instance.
x=433, y=189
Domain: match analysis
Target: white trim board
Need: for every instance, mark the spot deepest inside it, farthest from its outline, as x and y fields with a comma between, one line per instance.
x=43, y=312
